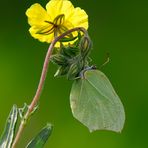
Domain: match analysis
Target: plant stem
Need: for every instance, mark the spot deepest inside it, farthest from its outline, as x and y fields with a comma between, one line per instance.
x=41, y=82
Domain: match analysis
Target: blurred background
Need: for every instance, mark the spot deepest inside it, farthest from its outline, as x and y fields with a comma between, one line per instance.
x=117, y=27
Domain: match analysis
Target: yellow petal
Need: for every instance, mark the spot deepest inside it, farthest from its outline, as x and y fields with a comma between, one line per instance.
x=41, y=37
x=53, y=8
x=37, y=15
x=79, y=18
x=67, y=9
x=58, y=7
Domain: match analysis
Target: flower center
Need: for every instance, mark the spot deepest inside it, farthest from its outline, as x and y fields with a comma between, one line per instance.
x=55, y=27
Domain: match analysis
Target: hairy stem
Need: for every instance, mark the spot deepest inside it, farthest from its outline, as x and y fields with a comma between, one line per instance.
x=41, y=82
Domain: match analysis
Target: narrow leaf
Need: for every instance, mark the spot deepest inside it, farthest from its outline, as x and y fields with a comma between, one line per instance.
x=8, y=134
x=42, y=137
x=95, y=103
x=65, y=39
x=23, y=110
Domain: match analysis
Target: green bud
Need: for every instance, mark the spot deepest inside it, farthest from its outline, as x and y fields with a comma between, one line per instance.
x=63, y=70
x=59, y=59
x=70, y=51
x=85, y=46
x=73, y=71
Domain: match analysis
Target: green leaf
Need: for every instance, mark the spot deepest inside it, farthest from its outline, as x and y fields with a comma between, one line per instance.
x=8, y=134
x=22, y=111
x=40, y=140
x=95, y=103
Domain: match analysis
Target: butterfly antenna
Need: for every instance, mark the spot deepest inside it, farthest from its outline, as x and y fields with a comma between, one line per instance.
x=107, y=60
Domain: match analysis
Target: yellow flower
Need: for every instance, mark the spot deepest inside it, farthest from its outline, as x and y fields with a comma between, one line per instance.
x=59, y=16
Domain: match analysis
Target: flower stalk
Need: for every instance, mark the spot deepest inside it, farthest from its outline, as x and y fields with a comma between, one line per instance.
x=36, y=98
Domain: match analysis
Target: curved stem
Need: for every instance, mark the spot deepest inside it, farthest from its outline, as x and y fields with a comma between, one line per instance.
x=41, y=82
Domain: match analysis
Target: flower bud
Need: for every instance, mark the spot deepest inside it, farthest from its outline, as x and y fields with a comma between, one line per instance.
x=63, y=70
x=73, y=71
x=70, y=51
x=85, y=46
x=59, y=59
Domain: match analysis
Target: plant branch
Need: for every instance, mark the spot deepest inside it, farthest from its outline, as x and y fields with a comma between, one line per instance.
x=41, y=82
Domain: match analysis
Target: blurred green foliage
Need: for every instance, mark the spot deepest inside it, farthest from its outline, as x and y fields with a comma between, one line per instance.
x=117, y=27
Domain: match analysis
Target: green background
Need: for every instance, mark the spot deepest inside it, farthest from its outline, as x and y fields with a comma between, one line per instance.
x=117, y=27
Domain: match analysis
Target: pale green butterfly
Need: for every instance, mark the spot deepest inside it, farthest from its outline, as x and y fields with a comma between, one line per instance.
x=95, y=103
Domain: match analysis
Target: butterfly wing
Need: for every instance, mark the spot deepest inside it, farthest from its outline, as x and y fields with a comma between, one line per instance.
x=95, y=103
